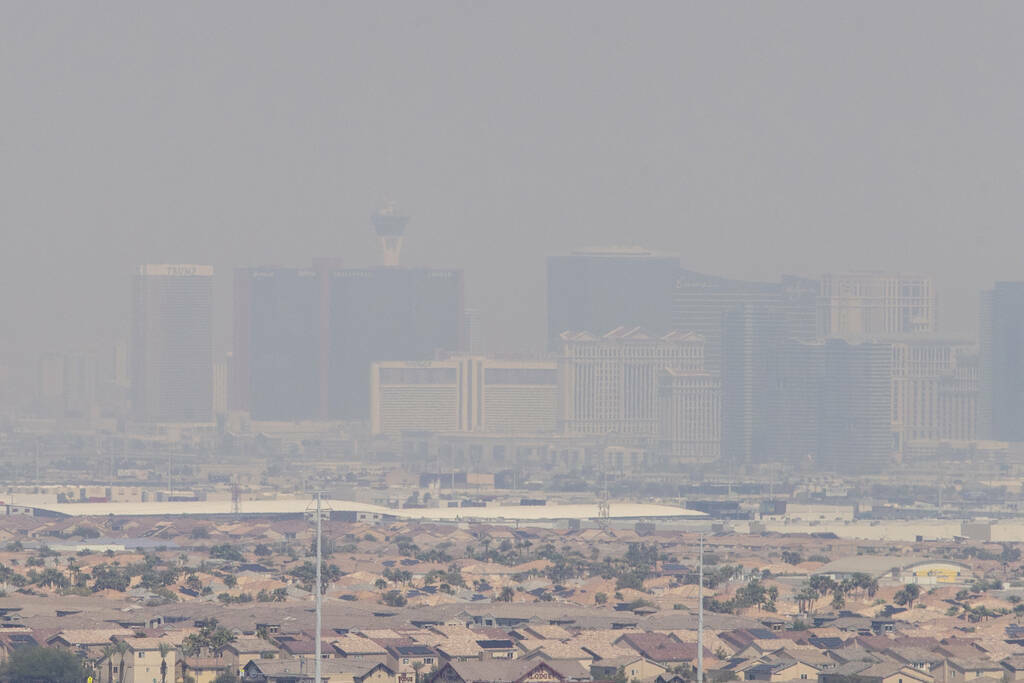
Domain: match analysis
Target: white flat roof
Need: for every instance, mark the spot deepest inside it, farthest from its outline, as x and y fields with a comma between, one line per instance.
x=298, y=505
x=176, y=269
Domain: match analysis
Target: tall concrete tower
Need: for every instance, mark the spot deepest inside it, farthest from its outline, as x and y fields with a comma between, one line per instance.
x=389, y=224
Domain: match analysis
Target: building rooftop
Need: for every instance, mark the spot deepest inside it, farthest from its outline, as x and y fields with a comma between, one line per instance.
x=298, y=506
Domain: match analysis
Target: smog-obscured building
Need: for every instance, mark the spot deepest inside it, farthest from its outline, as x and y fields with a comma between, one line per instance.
x=690, y=415
x=856, y=407
x=464, y=394
x=859, y=304
x=605, y=288
x=386, y=314
x=610, y=383
x=700, y=303
x=934, y=390
x=1001, y=362
x=276, y=359
x=172, y=343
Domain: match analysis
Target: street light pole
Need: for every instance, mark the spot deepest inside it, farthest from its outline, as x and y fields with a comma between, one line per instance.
x=700, y=611
x=319, y=588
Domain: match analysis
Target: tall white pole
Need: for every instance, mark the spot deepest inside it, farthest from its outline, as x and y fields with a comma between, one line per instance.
x=319, y=591
x=700, y=612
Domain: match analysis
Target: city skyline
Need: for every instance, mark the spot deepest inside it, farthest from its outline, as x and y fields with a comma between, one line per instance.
x=490, y=340
x=848, y=160
x=724, y=370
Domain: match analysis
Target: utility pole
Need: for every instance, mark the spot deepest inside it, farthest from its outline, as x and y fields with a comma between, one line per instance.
x=603, y=506
x=318, y=511
x=700, y=611
x=319, y=587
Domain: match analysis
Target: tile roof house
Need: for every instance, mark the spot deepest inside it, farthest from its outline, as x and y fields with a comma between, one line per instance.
x=635, y=668
x=301, y=671
x=877, y=672
x=510, y=671
x=409, y=660
x=957, y=670
x=663, y=649
x=781, y=669
x=142, y=662
x=1014, y=666
x=9, y=642
x=358, y=647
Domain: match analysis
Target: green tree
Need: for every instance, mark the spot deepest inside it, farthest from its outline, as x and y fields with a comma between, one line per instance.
x=165, y=649
x=107, y=577
x=85, y=531
x=600, y=598
x=227, y=676
x=506, y=594
x=394, y=598
x=1010, y=553
x=823, y=585
x=8, y=575
x=108, y=654
x=52, y=577
x=192, y=582
x=211, y=637
x=43, y=664
x=226, y=551
x=907, y=595
x=306, y=575
x=121, y=650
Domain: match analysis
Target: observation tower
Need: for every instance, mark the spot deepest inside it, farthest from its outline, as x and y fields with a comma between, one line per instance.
x=389, y=223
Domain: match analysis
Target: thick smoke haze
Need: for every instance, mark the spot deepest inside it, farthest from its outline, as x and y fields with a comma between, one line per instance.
x=752, y=138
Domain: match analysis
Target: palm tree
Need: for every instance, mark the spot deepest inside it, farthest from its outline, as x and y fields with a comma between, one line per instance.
x=805, y=599
x=108, y=654
x=121, y=648
x=416, y=666
x=164, y=650
x=507, y=594
x=221, y=638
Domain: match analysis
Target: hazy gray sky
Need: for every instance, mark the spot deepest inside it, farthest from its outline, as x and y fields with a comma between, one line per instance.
x=752, y=138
